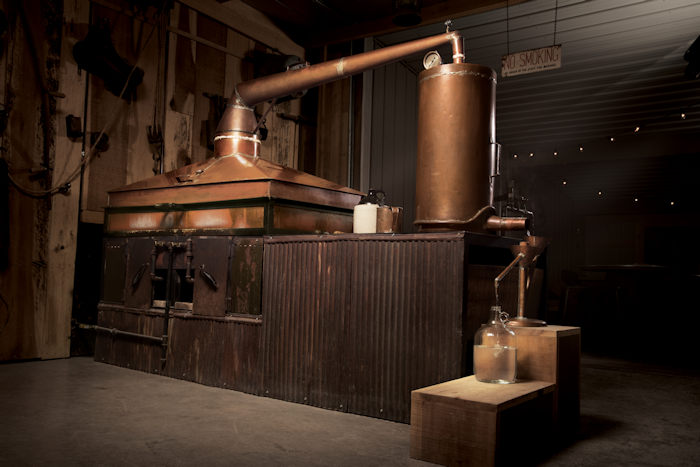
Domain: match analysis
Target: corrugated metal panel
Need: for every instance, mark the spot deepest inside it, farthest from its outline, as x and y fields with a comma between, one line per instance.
x=215, y=352
x=305, y=293
x=356, y=325
x=221, y=353
x=393, y=148
x=124, y=351
x=349, y=322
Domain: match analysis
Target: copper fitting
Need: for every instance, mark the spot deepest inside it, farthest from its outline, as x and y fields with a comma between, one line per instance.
x=506, y=223
x=458, y=48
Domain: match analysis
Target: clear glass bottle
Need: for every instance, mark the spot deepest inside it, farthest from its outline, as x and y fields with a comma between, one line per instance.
x=494, y=350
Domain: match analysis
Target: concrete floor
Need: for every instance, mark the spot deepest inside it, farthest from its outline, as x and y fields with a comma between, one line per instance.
x=79, y=412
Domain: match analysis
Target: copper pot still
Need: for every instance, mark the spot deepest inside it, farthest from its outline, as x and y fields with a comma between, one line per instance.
x=457, y=149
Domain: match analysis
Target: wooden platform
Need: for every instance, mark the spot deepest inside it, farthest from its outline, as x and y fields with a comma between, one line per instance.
x=553, y=354
x=470, y=423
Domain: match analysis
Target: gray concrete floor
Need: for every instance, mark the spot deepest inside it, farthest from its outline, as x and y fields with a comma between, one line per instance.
x=79, y=412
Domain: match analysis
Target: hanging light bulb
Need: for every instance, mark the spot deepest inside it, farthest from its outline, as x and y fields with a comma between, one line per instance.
x=515, y=156
x=600, y=193
x=636, y=129
x=682, y=115
x=556, y=153
x=563, y=182
x=580, y=148
x=532, y=154
x=636, y=199
x=612, y=139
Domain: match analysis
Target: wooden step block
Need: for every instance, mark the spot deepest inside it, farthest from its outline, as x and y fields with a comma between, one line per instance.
x=553, y=353
x=470, y=423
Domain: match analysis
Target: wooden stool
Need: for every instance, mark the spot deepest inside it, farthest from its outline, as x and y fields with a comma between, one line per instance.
x=470, y=423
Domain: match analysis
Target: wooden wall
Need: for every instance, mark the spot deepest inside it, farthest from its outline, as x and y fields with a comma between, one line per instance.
x=36, y=287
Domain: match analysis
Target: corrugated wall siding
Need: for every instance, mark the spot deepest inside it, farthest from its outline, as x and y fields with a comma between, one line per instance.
x=356, y=325
x=206, y=350
x=393, y=140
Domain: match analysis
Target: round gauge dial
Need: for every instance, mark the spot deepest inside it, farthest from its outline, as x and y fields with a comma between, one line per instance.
x=432, y=59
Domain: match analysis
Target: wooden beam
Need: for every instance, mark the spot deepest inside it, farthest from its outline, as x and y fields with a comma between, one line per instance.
x=249, y=22
x=431, y=14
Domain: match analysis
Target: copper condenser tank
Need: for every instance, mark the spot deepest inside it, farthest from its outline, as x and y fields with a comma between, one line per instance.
x=456, y=146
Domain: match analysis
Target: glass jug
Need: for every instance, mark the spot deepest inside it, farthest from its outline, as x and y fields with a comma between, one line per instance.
x=494, y=350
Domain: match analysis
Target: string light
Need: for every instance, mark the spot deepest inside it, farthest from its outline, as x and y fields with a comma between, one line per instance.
x=600, y=193
x=563, y=182
x=636, y=130
x=636, y=199
x=672, y=203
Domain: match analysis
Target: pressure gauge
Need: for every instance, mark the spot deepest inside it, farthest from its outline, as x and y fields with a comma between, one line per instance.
x=432, y=59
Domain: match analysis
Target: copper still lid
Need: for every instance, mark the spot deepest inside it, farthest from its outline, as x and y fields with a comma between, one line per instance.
x=234, y=194
x=233, y=177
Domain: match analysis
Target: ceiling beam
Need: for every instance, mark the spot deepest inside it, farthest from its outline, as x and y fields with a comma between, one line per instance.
x=247, y=21
x=436, y=13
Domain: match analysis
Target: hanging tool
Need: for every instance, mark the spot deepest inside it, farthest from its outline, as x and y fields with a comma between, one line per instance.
x=156, y=142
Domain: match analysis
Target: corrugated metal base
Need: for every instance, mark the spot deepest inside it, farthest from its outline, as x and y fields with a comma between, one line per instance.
x=349, y=322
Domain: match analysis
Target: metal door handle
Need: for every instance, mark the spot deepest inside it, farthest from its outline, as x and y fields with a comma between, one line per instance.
x=208, y=277
x=139, y=274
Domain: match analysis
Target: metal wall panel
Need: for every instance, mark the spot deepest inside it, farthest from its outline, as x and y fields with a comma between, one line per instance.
x=221, y=353
x=129, y=352
x=348, y=322
x=210, y=268
x=355, y=323
x=113, y=270
x=138, y=286
x=393, y=138
x=216, y=352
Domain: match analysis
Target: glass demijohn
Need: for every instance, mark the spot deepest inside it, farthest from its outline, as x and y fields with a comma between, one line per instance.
x=494, y=350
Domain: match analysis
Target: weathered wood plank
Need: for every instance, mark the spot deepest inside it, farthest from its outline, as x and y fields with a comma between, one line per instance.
x=63, y=218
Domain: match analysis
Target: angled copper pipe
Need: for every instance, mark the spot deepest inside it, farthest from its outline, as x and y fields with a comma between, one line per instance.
x=250, y=93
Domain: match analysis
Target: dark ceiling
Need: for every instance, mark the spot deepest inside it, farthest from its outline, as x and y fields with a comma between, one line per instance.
x=320, y=22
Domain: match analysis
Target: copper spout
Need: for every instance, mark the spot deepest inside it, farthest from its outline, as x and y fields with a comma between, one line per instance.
x=457, y=48
x=532, y=247
x=506, y=223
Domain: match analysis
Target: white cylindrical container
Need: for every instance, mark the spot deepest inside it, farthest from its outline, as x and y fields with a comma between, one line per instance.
x=364, y=218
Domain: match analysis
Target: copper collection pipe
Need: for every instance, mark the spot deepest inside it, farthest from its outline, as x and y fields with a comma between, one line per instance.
x=499, y=278
x=506, y=223
x=255, y=91
x=522, y=286
x=259, y=90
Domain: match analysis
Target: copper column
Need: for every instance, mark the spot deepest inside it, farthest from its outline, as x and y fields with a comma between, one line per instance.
x=456, y=150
